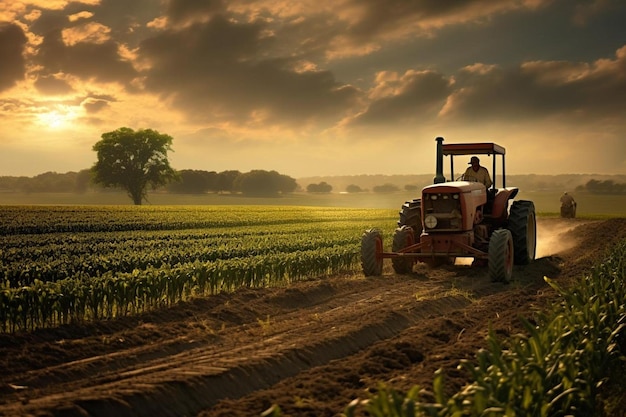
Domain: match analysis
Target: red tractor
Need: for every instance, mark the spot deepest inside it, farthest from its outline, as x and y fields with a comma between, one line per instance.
x=459, y=219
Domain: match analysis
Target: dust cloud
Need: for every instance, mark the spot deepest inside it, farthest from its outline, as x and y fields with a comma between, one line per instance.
x=553, y=236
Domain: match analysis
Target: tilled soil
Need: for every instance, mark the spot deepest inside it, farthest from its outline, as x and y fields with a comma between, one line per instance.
x=310, y=348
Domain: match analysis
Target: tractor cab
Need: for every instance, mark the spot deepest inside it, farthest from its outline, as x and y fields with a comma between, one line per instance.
x=497, y=197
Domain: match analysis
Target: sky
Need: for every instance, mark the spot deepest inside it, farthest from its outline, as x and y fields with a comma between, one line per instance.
x=315, y=87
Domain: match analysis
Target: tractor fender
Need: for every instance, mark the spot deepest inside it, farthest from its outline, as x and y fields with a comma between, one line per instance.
x=501, y=202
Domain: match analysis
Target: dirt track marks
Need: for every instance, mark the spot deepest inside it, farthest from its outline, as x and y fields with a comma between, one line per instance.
x=283, y=332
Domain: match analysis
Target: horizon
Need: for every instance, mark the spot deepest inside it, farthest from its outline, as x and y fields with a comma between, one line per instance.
x=345, y=175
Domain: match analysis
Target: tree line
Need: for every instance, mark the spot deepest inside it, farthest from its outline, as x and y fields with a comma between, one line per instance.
x=186, y=181
x=602, y=187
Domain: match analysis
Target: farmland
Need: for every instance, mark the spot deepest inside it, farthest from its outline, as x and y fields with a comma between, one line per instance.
x=73, y=264
x=226, y=310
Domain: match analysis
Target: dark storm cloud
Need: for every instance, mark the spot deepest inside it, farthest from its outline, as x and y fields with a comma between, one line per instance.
x=12, y=44
x=220, y=69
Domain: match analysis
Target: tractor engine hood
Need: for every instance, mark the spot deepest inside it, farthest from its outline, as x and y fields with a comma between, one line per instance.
x=474, y=188
x=452, y=206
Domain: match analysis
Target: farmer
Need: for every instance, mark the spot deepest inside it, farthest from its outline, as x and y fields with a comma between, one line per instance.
x=477, y=173
x=568, y=206
x=567, y=200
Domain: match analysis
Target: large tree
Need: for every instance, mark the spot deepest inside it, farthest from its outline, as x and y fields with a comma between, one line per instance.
x=133, y=160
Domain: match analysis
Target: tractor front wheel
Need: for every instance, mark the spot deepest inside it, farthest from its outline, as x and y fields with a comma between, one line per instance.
x=371, y=252
x=501, y=256
x=403, y=237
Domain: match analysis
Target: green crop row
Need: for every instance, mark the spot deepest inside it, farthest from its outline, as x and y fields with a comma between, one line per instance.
x=105, y=268
x=76, y=219
x=48, y=304
x=554, y=370
x=21, y=264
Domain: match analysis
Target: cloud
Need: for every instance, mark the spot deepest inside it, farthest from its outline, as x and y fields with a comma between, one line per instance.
x=94, y=105
x=589, y=10
x=542, y=90
x=80, y=15
x=219, y=70
x=360, y=27
x=52, y=85
x=90, y=32
x=416, y=95
x=12, y=45
x=180, y=11
x=100, y=61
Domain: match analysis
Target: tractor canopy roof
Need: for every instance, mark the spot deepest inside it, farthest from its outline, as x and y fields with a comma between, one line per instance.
x=473, y=149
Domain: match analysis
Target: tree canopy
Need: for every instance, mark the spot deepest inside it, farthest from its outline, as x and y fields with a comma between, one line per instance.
x=322, y=187
x=133, y=160
x=265, y=183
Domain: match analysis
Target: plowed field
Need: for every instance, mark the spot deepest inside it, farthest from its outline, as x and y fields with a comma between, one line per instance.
x=311, y=347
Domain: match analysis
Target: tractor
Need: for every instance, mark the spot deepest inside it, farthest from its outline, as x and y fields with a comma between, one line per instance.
x=459, y=218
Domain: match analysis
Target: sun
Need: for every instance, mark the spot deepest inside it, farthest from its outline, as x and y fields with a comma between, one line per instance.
x=57, y=118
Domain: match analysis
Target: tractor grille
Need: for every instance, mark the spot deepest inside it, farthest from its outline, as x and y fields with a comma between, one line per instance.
x=442, y=212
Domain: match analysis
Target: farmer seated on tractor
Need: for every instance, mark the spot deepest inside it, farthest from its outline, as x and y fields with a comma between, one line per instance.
x=567, y=200
x=568, y=206
x=477, y=173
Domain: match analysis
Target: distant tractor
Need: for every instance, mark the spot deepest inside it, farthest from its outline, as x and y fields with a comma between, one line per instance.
x=459, y=219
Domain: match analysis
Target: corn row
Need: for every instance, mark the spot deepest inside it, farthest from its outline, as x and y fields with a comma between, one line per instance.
x=46, y=304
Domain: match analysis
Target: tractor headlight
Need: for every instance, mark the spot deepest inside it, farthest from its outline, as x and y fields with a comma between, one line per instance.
x=430, y=222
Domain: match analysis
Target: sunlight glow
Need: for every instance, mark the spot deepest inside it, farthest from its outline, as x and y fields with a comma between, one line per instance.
x=58, y=118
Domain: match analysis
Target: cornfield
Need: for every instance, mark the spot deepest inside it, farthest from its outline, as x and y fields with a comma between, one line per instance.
x=65, y=264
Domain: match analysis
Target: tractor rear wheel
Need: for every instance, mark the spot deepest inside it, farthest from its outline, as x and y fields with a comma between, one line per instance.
x=371, y=252
x=523, y=227
x=411, y=215
x=501, y=256
x=403, y=237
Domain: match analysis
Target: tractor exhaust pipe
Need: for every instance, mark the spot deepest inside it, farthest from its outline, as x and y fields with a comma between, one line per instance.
x=439, y=178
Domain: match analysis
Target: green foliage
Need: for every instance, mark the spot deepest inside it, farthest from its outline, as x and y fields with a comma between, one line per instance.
x=322, y=187
x=71, y=264
x=133, y=160
x=352, y=188
x=603, y=187
x=264, y=183
x=385, y=188
x=194, y=182
x=555, y=369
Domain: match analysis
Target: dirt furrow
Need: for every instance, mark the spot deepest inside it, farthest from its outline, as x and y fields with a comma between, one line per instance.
x=264, y=353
